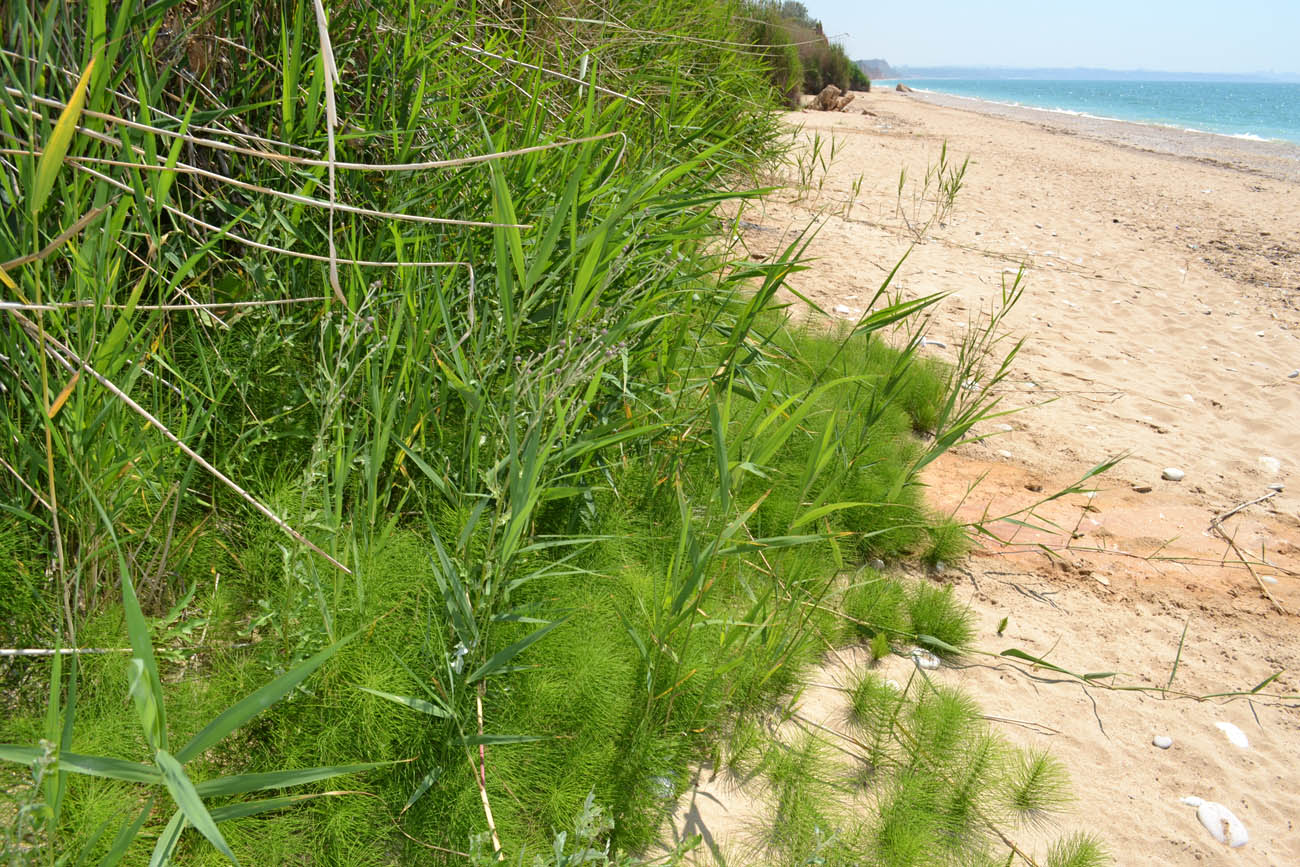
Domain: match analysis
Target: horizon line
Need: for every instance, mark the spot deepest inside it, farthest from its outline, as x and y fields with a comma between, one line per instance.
x=1261, y=73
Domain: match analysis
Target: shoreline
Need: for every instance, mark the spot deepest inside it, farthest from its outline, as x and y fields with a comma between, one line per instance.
x=1272, y=158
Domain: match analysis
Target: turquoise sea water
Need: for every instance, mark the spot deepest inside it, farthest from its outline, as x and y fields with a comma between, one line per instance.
x=1262, y=111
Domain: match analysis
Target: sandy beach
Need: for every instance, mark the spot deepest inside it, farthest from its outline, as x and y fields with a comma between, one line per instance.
x=1161, y=322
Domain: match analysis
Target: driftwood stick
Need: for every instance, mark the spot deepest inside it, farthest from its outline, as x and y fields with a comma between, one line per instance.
x=1235, y=509
x=1216, y=527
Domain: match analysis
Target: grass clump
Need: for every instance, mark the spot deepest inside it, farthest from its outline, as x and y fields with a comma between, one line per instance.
x=1078, y=850
x=875, y=606
x=933, y=610
x=1038, y=786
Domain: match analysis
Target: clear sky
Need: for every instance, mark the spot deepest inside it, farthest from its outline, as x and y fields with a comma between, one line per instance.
x=1170, y=35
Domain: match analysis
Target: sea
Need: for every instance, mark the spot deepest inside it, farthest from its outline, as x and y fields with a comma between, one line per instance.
x=1258, y=111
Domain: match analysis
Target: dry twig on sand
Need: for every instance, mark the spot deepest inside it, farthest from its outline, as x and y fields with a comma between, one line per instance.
x=1216, y=527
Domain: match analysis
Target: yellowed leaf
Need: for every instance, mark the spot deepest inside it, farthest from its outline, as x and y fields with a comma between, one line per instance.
x=64, y=395
x=57, y=147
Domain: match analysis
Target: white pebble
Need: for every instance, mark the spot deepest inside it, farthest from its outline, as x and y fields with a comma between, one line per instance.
x=1004, y=453
x=1268, y=579
x=1276, y=486
x=925, y=659
x=1235, y=736
x=1163, y=741
x=1293, y=374
x=1173, y=474
x=1222, y=824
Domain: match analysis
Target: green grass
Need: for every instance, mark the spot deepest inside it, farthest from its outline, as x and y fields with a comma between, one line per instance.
x=537, y=502
x=935, y=611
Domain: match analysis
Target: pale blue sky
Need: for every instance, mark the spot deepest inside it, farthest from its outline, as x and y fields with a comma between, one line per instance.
x=1172, y=35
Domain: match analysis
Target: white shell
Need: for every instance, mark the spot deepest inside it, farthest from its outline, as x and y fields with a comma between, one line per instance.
x=1235, y=736
x=1222, y=824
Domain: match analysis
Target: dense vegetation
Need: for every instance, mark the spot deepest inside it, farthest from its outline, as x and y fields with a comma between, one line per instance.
x=800, y=56
x=385, y=419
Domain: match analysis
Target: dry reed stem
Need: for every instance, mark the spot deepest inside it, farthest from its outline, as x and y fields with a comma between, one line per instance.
x=73, y=75
x=460, y=46
x=187, y=169
x=217, y=305
x=305, y=161
x=44, y=502
x=331, y=122
x=59, y=352
x=271, y=248
x=63, y=238
x=482, y=774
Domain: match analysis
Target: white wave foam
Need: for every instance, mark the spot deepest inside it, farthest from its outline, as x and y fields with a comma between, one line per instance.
x=1242, y=136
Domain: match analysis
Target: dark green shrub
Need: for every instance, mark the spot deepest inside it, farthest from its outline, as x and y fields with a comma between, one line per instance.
x=781, y=55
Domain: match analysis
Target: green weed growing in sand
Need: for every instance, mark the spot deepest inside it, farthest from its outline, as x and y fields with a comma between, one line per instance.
x=874, y=604
x=937, y=782
x=1038, y=786
x=935, y=611
x=931, y=203
x=1078, y=850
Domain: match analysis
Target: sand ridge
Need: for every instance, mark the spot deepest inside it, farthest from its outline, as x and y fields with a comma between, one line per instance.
x=1161, y=321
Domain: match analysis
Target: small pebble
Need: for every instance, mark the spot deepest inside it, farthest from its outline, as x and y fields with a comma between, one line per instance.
x=1163, y=741
x=878, y=565
x=1142, y=489
x=1276, y=486
x=1173, y=474
x=1005, y=453
x=1293, y=374
x=940, y=567
x=925, y=659
x=1268, y=579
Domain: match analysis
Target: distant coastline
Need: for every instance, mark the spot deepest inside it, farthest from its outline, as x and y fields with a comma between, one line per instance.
x=1073, y=73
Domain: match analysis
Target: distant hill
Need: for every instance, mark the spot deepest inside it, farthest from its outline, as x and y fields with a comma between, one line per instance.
x=876, y=68
x=1077, y=73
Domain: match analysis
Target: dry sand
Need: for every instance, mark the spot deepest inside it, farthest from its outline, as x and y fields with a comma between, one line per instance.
x=1161, y=320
